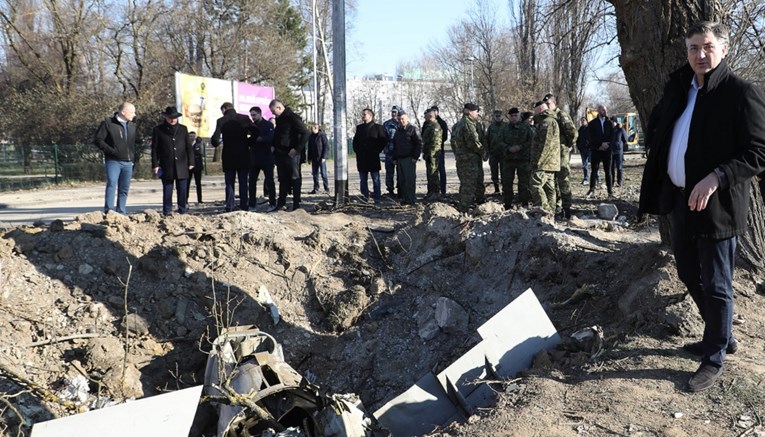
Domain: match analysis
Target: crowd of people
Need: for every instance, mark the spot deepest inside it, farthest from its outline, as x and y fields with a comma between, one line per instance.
x=530, y=149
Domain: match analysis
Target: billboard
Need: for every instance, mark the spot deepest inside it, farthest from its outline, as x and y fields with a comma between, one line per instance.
x=199, y=99
x=247, y=95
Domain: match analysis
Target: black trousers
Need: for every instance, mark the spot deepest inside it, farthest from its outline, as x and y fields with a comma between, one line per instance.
x=288, y=171
x=599, y=156
x=268, y=184
x=198, y=181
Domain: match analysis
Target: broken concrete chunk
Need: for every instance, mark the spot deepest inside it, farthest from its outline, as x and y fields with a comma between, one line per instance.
x=607, y=211
x=135, y=324
x=263, y=297
x=450, y=316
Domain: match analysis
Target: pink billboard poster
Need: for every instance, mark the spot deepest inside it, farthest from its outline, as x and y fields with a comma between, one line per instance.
x=246, y=96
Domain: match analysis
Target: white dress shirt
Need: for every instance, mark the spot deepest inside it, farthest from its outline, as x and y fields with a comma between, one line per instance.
x=679, y=144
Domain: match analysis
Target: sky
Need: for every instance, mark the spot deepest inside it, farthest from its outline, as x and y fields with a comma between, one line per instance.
x=386, y=32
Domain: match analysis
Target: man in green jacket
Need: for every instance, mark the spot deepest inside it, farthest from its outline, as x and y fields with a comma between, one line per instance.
x=545, y=158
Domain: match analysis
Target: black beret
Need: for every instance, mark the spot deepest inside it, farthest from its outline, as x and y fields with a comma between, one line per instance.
x=472, y=107
x=513, y=111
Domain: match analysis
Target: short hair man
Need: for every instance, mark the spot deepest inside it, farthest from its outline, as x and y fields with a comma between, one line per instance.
x=116, y=138
x=441, y=156
x=231, y=131
x=431, y=149
x=199, y=165
x=369, y=140
x=290, y=138
x=600, y=132
x=262, y=158
x=545, y=158
x=568, y=136
x=707, y=137
x=407, y=146
x=390, y=168
x=318, y=150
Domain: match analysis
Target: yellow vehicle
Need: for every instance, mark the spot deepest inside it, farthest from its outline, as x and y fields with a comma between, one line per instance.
x=631, y=123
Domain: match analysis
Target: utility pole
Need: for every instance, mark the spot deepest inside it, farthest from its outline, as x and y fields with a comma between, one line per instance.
x=315, y=78
x=338, y=74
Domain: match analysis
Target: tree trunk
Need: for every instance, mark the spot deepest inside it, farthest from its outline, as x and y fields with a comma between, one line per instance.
x=652, y=39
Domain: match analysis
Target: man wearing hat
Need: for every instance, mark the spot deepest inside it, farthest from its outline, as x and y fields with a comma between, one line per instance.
x=172, y=157
x=568, y=136
x=441, y=157
x=515, y=159
x=231, y=131
x=495, y=136
x=468, y=151
x=390, y=167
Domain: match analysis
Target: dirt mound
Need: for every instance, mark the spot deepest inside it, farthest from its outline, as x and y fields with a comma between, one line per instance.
x=356, y=293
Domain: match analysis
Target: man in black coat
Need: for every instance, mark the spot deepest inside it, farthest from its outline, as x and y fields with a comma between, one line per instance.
x=600, y=132
x=368, y=142
x=199, y=165
x=172, y=156
x=318, y=150
x=407, y=146
x=232, y=132
x=290, y=137
x=116, y=138
x=707, y=138
x=261, y=158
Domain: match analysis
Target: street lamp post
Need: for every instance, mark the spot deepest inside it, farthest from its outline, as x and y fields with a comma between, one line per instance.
x=472, y=80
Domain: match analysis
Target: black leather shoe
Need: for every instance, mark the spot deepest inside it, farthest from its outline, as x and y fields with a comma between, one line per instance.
x=704, y=378
x=697, y=348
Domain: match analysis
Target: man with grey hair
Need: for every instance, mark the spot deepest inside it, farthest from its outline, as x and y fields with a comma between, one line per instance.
x=116, y=138
x=707, y=141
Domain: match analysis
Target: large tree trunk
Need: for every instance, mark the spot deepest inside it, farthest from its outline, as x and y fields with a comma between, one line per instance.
x=652, y=39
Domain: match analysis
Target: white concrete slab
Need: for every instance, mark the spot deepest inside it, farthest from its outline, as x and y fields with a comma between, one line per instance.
x=166, y=415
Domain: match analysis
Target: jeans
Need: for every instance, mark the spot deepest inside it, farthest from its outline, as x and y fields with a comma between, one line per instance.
x=181, y=186
x=705, y=266
x=118, y=175
x=230, y=176
x=316, y=167
x=442, y=170
x=586, y=155
x=363, y=177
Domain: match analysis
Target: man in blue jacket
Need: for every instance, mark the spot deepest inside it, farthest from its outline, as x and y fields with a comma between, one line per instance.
x=261, y=157
x=116, y=138
x=318, y=149
x=707, y=138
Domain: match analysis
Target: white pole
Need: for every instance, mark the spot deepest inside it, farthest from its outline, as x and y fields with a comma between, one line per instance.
x=338, y=74
x=315, y=78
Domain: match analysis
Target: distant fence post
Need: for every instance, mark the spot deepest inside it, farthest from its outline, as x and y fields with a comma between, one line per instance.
x=55, y=163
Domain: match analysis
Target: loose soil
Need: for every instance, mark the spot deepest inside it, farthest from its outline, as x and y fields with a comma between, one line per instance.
x=353, y=287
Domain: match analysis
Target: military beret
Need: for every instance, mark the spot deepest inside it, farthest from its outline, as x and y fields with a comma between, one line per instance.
x=525, y=116
x=434, y=108
x=395, y=109
x=547, y=97
x=472, y=107
x=513, y=111
x=497, y=112
x=539, y=103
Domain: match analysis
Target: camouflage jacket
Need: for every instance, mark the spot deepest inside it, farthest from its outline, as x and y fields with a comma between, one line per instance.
x=545, y=149
x=518, y=134
x=390, y=128
x=567, y=128
x=466, y=137
x=431, y=137
x=495, y=138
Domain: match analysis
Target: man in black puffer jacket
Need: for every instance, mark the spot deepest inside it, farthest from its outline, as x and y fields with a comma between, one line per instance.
x=290, y=137
x=707, y=138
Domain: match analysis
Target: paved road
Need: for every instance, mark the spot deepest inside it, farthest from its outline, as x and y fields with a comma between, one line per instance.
x=29, y=206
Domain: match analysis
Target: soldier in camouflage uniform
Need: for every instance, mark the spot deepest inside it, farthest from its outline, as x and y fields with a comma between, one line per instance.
x=468, y=151
x=568, y=135
x=495, y=146
x=515, y=159
x=432, y=140
x=545, y=158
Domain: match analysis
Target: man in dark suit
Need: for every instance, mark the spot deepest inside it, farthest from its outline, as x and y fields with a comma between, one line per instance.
x=369, y=140
x=290, y=138
x=231, y=131
x=599, y=132
x=172, y=158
